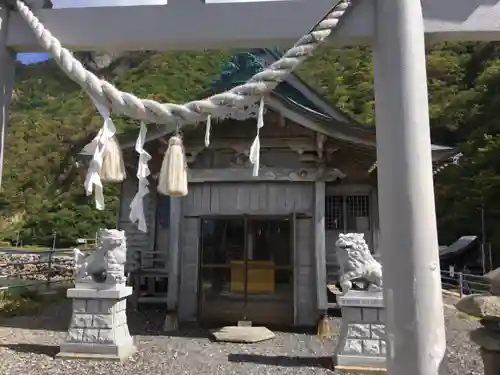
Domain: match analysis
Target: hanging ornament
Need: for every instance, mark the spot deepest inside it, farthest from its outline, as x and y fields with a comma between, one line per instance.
x=107, y=161
x=173, y=173
x=254, y=155
x=113, y=166
x=208, y=127
x=143, y=172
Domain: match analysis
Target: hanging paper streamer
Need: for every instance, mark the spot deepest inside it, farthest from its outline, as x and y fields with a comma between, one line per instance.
x=93, y=181
x=254, y=155
x=137, y=205
x=207, y=130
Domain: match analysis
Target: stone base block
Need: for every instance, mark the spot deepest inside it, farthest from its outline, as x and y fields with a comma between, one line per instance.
x=362, y=341
x=96, y=352
x=360, y=370
x=243, y=335
x=98, y=328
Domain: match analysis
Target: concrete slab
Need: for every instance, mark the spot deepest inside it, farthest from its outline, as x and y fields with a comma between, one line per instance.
x=241, y=334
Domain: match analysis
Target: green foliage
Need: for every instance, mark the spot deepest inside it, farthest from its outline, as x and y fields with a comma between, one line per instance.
x=51, y=118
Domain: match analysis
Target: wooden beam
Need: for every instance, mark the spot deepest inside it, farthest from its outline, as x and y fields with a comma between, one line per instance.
x=265, y=174
x=240, y=24
x=320, y=246
x=242, y=146
x=329, y=131
x=173, y=251
x=306, y=143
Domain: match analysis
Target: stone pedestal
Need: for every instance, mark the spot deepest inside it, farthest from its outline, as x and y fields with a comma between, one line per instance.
x=487, y=308
x=98, y=328
x=362, y=341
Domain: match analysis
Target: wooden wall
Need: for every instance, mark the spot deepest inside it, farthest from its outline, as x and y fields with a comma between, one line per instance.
x=294, y=148
x=253, y=199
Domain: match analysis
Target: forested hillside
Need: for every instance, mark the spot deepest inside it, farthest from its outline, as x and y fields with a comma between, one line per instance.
x=51, y=118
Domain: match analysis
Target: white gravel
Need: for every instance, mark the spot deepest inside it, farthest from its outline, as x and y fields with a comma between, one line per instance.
x=28, y=344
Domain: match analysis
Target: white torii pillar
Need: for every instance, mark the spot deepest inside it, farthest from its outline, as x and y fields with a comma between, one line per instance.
x=7, y=71
x=407, y=215
x=409, y=244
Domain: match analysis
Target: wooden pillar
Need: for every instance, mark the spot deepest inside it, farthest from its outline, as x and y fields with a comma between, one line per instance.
x=7, y=73
x=319, y=245
x=173, y=245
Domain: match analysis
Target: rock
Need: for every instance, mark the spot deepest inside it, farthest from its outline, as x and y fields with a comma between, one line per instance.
x=491, y=361
x=242, y=334
x=35, y=266
x=490, y=325
x=495, y=290
x=488, y=340
x=493, y=275
x=484, y=307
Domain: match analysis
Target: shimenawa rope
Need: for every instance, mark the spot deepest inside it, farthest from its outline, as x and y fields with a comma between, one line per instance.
x=151, y=111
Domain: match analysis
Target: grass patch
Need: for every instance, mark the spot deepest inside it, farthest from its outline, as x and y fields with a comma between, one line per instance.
x=464, y=316
x=26, y=302
x=27, y=248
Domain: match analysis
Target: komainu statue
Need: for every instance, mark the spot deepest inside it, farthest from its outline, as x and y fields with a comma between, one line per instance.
x=107, y=264
x=357, y=263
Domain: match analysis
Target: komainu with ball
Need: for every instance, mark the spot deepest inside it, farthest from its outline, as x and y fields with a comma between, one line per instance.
x=357, y=264
x=107, y=264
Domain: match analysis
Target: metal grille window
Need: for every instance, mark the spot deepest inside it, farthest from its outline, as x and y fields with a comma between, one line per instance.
x=334, y=216
x=350, y=213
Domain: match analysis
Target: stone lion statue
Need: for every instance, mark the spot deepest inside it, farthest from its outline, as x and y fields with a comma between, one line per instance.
x=357, y=263
x=107, y=264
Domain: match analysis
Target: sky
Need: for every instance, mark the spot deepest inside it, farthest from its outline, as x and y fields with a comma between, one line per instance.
x=33, y=58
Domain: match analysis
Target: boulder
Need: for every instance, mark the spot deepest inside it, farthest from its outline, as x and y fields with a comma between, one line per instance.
x=242, y=334
x=490, y=325
x=480, y=306
x=493, y=277
x=491, y=361
x=486, y=339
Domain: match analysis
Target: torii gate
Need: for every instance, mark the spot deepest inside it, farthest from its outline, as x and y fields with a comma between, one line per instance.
x=395, y=29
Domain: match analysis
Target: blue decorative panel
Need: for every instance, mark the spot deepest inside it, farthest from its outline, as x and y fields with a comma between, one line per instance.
x=244, y=65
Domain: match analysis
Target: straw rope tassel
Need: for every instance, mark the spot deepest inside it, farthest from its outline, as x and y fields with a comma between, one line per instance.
x=107, y=160
x=254, y=155
x=113, y=166
x=173, y=173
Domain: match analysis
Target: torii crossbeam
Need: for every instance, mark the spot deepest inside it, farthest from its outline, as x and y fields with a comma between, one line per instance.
x=395, y=29
x=194, y=24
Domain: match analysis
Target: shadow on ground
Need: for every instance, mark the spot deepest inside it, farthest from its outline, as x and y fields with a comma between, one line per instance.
x=284, y=361
x=57, y=316
x=147, y=321
x=47, y=350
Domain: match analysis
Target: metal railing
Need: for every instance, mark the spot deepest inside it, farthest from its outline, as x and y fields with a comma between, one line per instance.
x=54, y=266
x=45, y=268
x=463, y=283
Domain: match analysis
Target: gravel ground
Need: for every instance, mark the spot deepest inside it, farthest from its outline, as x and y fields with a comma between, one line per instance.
x=28, y=345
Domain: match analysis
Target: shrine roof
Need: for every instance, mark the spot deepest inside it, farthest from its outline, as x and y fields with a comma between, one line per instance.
x=293, y=94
